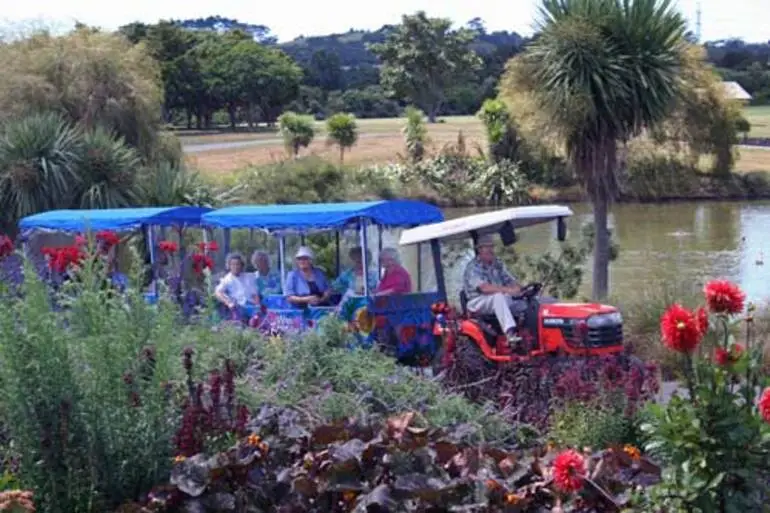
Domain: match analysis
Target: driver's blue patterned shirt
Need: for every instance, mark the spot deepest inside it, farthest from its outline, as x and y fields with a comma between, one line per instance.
x=476, y=274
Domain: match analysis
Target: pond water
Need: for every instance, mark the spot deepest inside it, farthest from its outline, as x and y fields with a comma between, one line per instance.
x=679, y=242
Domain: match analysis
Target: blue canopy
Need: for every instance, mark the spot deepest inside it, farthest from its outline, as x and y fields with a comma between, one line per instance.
x=117, y=219
x=324, y=216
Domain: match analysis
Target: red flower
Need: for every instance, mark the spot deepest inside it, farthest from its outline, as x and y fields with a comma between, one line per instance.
x=109, y=238
x=680, y=329
x=764, y=405
x=201, y=262
x=703, y=319
x=569, y=469
x=80, y=240
x=6, y=246
x=208, y=246
x=60, y=259
x=168, y=246
x=723, y=296
x=727, y=357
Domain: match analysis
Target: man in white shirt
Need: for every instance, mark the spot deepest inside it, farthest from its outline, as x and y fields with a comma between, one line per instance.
x=236, y=289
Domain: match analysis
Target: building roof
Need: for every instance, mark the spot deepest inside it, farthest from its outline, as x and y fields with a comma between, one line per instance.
x=734, y=91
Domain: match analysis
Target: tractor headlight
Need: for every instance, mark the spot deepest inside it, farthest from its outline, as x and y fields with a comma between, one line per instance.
x=602, y=320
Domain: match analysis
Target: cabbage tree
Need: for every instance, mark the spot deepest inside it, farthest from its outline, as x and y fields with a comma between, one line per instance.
x=602, y=71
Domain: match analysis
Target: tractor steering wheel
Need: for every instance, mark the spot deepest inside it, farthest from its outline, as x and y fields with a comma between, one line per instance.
x=529, y=291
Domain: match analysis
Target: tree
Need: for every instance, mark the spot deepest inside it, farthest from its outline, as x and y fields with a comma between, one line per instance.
x=92, y=78
x=297, y=131
x=601, y=71
x=342, y=131
x=325, y=71
x=422, y=57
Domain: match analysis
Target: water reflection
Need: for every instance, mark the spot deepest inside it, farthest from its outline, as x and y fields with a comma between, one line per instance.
x=679, y=242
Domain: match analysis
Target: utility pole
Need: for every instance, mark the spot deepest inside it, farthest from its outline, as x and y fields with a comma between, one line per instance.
x=698, y=13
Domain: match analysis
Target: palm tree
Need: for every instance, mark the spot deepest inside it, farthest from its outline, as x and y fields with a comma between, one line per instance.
x=602, y=71
x=38, y=154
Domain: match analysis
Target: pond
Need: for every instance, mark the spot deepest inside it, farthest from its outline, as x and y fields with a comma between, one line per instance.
x=679, y=242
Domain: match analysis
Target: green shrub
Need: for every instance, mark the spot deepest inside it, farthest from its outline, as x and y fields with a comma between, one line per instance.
x=306, y=180
x=324, y=378
x=653, y=176
x=297, y=131
x=415, y=134
x=503, y=139
x=596, y=424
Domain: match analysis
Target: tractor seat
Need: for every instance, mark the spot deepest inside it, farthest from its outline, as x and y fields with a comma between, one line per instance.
x=490, y=319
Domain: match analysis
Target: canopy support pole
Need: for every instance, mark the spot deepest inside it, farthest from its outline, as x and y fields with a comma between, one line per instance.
x=282, y=261
x=227, y=242
x=364, y=260
x=151, y=247
x=436, y=252
x=379, y=250
x=419, y=267
x=337, y=252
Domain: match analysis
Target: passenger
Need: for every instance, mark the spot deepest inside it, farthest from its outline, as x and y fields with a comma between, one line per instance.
x=396, y=279
x=236, y=289
x=351, y=281
x=306, y=285
x=489, y=287
x=268, y=280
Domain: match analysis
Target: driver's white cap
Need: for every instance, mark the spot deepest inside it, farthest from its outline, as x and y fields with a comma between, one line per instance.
x=304, y=252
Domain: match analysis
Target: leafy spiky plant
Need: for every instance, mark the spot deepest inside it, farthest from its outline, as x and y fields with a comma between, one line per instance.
x=602, y=71
x=107, y=169
x=37, y=157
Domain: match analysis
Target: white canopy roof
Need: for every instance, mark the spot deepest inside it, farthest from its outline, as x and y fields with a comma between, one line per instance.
x=486, y=223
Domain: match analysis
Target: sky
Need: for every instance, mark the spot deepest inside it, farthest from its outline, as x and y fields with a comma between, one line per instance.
x=721, y=19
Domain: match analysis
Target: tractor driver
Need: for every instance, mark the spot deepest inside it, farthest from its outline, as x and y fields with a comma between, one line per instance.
x=489, y=287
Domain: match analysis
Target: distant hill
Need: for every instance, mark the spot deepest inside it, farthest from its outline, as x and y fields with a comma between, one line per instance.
x=351, y=47
x=260, y=33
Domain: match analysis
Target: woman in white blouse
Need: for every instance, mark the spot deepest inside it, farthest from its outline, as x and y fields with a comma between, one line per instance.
x=237, y=289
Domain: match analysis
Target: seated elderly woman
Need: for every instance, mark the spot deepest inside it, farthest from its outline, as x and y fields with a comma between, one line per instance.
x=237, y=289
x=306, y=285
x=268, y=281
x=351, y=281
x=396, y=279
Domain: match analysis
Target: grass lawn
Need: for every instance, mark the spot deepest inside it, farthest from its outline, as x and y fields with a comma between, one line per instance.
x=759, y=117
x=381, y=141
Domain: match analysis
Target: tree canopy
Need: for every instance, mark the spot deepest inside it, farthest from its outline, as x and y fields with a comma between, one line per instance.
x=422, y=57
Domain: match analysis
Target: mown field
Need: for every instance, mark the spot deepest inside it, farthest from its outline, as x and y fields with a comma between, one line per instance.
x=381, y=141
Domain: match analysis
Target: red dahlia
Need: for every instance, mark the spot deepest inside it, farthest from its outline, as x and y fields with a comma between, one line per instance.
x=569, y=469
x=168, y=246
x=764, y=405
x=727, y=357
x=724, y=296
x=6, y=246
x=703, y=319
x=680, y=329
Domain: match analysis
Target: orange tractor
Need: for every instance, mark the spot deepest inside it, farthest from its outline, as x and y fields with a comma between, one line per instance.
x=545, y=327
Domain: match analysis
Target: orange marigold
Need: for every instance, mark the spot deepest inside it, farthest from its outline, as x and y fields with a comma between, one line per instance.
x=253, y=440
x=569, y=469
x=723, y=296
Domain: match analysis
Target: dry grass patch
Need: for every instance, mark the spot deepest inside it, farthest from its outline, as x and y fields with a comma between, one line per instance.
x=372, y=148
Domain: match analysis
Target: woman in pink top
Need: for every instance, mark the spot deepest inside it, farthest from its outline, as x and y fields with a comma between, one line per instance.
x=396, y=279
